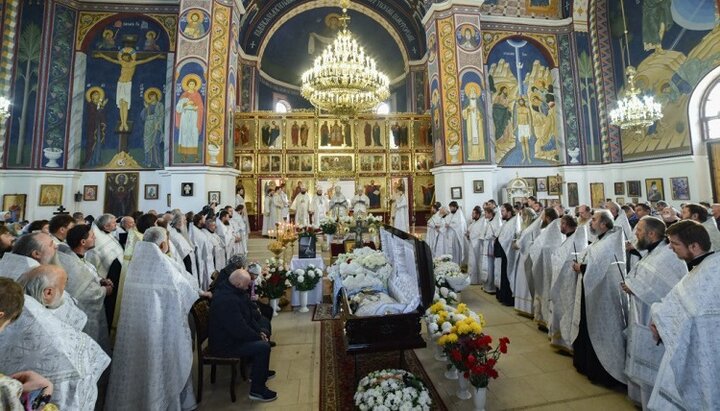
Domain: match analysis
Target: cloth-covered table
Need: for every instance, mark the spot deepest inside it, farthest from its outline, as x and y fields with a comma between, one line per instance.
x=315, y=296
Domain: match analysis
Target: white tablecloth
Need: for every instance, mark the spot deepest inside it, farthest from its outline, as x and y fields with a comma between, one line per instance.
x=315, y=296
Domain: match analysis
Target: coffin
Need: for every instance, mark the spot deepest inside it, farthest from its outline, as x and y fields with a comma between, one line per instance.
x=410, y=286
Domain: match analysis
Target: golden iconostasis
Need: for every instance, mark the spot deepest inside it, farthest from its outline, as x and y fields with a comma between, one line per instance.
x=373, y=152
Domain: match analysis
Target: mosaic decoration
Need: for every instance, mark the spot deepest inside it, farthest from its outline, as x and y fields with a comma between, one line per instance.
x=194, y=24
x=189, y=134
x=569, y=109
x=7, y=54
x=604, y=86
x=217, y=87
x=449, y=90
x=492, y=38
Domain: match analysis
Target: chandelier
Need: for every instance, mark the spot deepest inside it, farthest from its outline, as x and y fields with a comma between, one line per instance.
x=634, y=112
x=344, y=80
x=4, y=108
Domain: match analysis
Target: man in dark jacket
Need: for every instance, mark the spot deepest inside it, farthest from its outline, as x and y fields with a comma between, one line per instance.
x=234, y=332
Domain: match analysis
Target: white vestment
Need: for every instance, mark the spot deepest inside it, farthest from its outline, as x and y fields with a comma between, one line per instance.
x=509, y=231
x=650, y=280
x=240, y=229
x=153, y=347
x=69, y=358
x=268, y=217
x=523, y=264
x=318, y=207
x=14, y=265
x=540, y=276
x=474, y=246
x=205, y=260
x=184, y=248
x=301, y=206
x=218, y=249
x=487, y=266
x=688, y=320
x=107, y=249
x=563, y=289
x=134, y=236
x=360, y=203
x=402, y=218
x=435, y=236
x=455, y=227
x=338, y=206
x=711, y=227
x=285, y=210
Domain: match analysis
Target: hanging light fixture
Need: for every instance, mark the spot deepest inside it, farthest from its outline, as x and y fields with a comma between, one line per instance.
x=344, y=80
x=4, y=108
x=633, y=111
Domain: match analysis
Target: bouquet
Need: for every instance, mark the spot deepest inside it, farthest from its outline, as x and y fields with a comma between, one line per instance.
x=305, y=279
x=272, y=281
x=445, y=293
x=448, y=274
x=479, y=358
x=328, y=225
x=306, y=231
x=392, y=389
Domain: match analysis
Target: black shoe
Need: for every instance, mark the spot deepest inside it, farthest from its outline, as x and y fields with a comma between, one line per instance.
x=272, y=343
x=265, y=396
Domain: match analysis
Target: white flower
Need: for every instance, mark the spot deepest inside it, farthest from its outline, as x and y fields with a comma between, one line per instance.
x=311, y=274
x=288, y=283
x=299, y=271
x=301, y=279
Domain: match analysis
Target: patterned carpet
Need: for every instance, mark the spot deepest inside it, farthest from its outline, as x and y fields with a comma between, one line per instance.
x=337, y=369
x=323, y=312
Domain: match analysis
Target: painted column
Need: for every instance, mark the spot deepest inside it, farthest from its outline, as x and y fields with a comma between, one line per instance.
x=9, y=25
x=205, y=81
x=458, y=96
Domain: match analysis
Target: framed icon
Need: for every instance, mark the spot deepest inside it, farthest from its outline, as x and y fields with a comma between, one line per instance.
x=680, y=188
x=478, y=186
x=655, y=189
x=634, y=189
x=597, y=194
x=541, y=184
x=619, y=189
x=299, y=163
x=270, y=163
x=573, y=198
x=456, y=193
x=340, y=163
x=213, y=197
x=554, y=186
x=246, y=163
x=152, y=192
x=90, y=193
x=186, y=189
x=50, y=195
x=15, y=204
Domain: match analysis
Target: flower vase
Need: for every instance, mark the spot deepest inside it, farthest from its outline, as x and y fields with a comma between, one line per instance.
x=303, y=301
x=463, y=392
x=452, y=373
x=439, y=353
x=275, y=304
x=479, y=398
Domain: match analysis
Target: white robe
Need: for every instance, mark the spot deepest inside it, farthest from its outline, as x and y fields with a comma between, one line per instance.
x=205, y=260
x=14, y=265
x=228, y=238
x=241, y=230
x=107, y=249
x=509, y=231
x=521, y=290
x=688, y=320
x=487, y=266
x=184, y=248
x=69, y=358
x=153, y=345
x=435, y=236
x=360, y=203
x=133, y=238
x=218, y=249
x=712, y=229
x=474, y=246
x=455, y=227
x=338, y=206
x=318, y=208
x=540, y=276
x=268, y=215
x=402, y=218
x=301, y=206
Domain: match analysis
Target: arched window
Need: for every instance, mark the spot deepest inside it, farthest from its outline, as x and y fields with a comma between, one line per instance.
x=282, y=106
x=710, y=112
x=383, y=108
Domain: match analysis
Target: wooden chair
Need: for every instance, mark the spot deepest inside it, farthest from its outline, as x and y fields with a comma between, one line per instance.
x=201, y=314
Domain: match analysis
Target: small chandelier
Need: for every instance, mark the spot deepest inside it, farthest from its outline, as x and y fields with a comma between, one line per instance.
x=344, y=80
x=634, y=112
x=4, y=108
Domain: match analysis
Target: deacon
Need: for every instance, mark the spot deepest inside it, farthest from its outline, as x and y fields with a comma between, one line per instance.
x=318, y=208
x=647, y=283
x=150, y=375
x=59, y=227
x=492, y=229
x=540, y=274
x=301, y=207
x=599, y=349
x=107, y=257
x=505, y=255
x=532, y=226
x=565, y=317
x=360, y=202
x=455, y=228
x=402, y=220
x=474, y=236
x=436, y=230
x=281, y=205
x=127, y=224
x=224, y=230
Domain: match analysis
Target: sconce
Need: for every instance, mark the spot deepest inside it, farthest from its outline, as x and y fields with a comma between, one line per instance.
x=78, y=197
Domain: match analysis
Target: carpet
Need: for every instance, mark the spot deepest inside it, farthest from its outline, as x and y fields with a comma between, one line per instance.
x=323, y=312
x=337, y=369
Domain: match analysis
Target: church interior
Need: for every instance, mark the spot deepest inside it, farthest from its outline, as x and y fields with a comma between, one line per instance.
x=152, y=106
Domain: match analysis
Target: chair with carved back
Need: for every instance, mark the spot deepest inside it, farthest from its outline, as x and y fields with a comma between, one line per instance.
x=201, y=314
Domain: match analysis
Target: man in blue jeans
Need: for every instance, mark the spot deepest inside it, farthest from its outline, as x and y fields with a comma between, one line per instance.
x=234, y=332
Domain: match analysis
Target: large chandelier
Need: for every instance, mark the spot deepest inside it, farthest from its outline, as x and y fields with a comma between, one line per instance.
x=634, y=112
x=344, y=80
x=4, y=108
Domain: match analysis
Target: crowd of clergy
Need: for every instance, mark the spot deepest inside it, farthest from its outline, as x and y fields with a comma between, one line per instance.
x=96, y=313
x=632, y=292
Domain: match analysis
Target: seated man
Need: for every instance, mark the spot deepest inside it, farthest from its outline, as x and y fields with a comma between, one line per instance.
x=254, y=270
x=234, y=332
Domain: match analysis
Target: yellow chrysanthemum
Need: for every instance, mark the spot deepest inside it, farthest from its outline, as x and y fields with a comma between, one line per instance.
x=441, y=341
x=464, y=329
x=461, y=307
x=437, y=307
x=452, y=338
x=476, y=328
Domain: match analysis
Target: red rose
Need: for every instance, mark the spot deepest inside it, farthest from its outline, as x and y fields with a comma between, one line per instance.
x=505, y=340
x=491, y=362
x=492, y=374
x=455, y=354
x=471, y=359
x=466, y=374
x=503, y=348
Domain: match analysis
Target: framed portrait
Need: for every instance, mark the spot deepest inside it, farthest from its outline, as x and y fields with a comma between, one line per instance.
x=554, y=186
x=620, y=200
x=680, y=188
x=246, y=163
x=307, y=246
x=374, y=188
x=299, y=163
x=634, y=188
x=478, y=186
x=270, y=163
x=532, y=183
x=213, y=197
x=122, y=193
x=399, y=162
x=300, y=134
x=423, y=162
x=370, y=134
x=422, y=133
x=423, y=192
x=151, y=192
x=541, y=184
x=654, y=189
x=635, y=200
x=271, y=135
x=335, y=134
x=398, y=136
x=339, y=163
x=244, y=134
x=456, y=193
x=572, y=192
x=15, y=204
x=90, y=193
x=597, y=194
x=186, y=189
x=51, y=195
x=619, y=189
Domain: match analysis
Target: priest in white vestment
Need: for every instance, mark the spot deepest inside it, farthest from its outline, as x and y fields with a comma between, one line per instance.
x=696, y=212
x=204, y=249
x=360, y=202
x=224, y=231
x=184, y=248
x=505, y=255
x=268, y=215
x=647, y=283
x=133, y=237
x=240, y=228
x=218, y=246
x=29, y=250
x=338, y=204
x=686, y=323
x=455, y=228
x=562, y=324
x=599, y=349
x=107, y=257
x=402, y=216
x=474, y=244
x=318, y=208
x=301, y=207
x=46, y=284
x=491, y=231
x=59, y=226
x=153, y=349
x=523, y=264
x=540, y=275
x=435, y=236
x=584, y=217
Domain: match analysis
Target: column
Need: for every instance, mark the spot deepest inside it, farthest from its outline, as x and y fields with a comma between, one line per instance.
x=9, y=26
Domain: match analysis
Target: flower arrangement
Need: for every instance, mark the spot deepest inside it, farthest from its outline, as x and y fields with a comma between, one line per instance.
x=328, y=225
x=392, y=389
x=445, y=293
x=479, y=358
x=306, y=231
x=272, y=281
x=363, y=268
x=448, y=274
x=305, y=279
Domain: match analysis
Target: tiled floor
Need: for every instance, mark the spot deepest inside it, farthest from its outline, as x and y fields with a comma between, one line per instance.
x=532, y=374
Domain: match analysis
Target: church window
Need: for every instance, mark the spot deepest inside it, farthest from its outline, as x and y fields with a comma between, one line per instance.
x=282, y=106
x=710, y=116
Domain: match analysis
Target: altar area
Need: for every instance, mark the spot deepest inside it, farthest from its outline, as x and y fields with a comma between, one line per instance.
x=532, y=374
